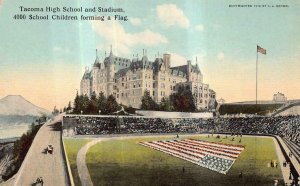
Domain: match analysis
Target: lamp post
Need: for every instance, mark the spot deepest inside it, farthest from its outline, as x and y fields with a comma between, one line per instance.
x=99, y=112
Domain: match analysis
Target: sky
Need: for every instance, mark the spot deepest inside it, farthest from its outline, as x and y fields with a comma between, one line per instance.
x=44, y=60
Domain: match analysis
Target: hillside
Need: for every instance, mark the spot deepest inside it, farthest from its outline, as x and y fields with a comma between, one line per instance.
x=17, y=105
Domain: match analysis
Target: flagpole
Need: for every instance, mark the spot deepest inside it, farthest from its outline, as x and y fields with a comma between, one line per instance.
x=256, y=77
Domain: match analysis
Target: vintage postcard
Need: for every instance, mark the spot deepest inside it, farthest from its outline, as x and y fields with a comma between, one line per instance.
x=131, y=92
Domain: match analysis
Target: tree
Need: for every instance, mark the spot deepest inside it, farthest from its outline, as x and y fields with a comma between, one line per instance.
x=101, y=103
x=92, y=107
x=84, y=103
x=76, y=109
x=111, y=105
x=147, y=102
x=69, y=106
x=165, y=105
x=183, y=101
x=93, y=96
x=55, y=111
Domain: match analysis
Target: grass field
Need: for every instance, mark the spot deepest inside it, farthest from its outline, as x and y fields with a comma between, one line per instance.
x=72, y=147
x=124, y=162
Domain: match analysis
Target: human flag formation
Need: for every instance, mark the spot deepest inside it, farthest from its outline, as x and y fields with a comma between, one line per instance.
x=214, y=156
x=261, y=50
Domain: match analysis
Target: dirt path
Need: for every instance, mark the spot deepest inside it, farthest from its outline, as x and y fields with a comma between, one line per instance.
x=83, y=171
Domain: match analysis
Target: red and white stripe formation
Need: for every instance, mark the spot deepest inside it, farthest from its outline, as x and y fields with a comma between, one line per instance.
x=215, y=156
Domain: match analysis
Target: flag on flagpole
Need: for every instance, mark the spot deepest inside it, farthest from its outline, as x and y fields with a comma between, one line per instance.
x=261, y=50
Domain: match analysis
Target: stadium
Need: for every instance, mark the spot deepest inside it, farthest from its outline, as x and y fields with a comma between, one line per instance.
x=147, y=150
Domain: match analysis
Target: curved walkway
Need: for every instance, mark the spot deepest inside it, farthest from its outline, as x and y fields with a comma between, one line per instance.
x=83, y=171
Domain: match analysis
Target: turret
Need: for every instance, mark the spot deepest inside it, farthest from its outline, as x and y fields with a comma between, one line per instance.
x=97, y=61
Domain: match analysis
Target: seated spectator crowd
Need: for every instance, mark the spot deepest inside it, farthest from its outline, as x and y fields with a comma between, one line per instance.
x=285, y=126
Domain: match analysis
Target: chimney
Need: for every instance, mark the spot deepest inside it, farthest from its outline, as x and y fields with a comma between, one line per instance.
x=166, y=59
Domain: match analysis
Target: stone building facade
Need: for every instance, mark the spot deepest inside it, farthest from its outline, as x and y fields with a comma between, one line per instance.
x=128, y=79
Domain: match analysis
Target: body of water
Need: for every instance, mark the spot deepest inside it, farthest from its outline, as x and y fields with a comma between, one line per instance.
x=10, y=130
x=14, y=125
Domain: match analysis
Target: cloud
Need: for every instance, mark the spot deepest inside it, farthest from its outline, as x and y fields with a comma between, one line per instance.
x=135, y=21
x=171, y=15
x=199, y=27
x=114, y=33
x=220, y=56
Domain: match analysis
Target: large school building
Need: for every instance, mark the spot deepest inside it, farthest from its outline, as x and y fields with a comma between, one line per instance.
x=127, y=79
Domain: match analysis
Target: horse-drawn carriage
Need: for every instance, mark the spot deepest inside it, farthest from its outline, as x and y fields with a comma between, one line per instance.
x=48, y=149
x=39, y=182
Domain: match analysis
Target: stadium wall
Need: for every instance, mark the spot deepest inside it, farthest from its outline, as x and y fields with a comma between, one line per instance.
x=161, y=114
x=67, y=164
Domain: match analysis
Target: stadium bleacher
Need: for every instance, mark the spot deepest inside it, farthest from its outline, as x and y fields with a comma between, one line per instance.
x=286, y=127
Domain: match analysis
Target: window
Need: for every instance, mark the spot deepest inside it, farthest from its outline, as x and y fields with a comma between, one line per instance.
x=153, y=85
x=153, y=93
